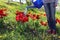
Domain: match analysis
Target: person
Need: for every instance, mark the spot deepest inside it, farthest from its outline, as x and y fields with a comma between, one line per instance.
x=50, y=9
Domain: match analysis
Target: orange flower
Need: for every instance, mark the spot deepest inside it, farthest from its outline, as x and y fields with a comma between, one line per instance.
x=34, y=16
x=43, y=23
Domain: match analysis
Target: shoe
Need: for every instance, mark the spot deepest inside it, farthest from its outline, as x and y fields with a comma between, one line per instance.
x=49, y=31
x=53, y=31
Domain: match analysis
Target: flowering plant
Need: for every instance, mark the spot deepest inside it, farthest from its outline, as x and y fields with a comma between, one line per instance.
x=2, y=15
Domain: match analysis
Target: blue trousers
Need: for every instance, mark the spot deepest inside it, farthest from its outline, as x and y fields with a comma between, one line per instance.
x=50, y=12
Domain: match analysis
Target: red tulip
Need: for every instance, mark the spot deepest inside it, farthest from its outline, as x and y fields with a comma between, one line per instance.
x=58, y=20
x=27, y=15
x=25, y=19
x=38, y=17
x=19, y=13
x=21, y=17
x=17, y=18
x=4, y=14
x=1, y=12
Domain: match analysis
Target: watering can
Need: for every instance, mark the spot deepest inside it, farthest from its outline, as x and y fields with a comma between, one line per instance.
x=36, y=4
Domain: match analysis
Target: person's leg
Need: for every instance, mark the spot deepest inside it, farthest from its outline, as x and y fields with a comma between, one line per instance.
x=50, y=12
x=53, y=10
